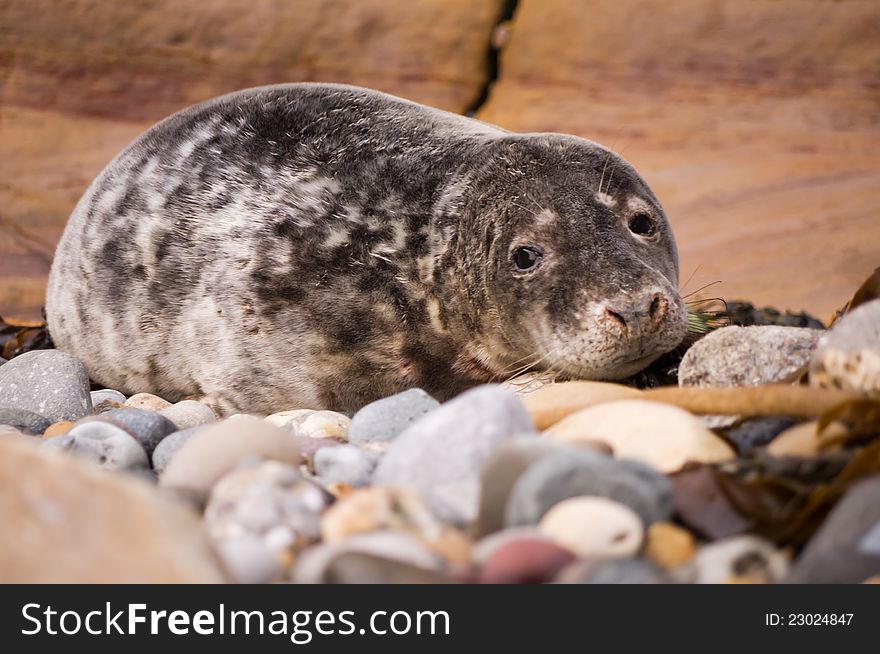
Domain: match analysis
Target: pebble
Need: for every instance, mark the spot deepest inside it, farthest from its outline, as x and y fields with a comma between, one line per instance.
x=799, y=440
x=58, y=428
x=669, y=546
x=594, y=527
x=312, y=424
x=848, y=356
x=147, y=401
x=377, y=509
x=168, y=447
x=148, y=427
x=107, y=399
x=557, y=477
x=216, y=449
x=103, y=443
x=50, y=383
x=8, y=431
x=441, y=454
x=748, y=356
x=346, y=464
x=758, y=433
x=737, y=560
x=846, y=548
x=360, y=568
x=189, y=413
x=385, y=419
x=266, y=512
x=613, y=571
x=486, y=546
x=525, y=561
x=24, y=420
x=663, y=436
x=553, y=402
x=2, y=361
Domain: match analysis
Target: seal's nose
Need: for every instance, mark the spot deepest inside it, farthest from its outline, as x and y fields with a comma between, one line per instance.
x=644, y=314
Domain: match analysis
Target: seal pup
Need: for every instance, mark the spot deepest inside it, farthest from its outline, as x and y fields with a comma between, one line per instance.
x=323, y=246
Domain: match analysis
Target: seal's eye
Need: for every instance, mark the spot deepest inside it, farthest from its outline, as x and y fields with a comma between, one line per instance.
x=526, y=258
x=642, y=224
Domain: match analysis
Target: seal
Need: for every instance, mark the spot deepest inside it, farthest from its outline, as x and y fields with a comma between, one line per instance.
x=322, y=246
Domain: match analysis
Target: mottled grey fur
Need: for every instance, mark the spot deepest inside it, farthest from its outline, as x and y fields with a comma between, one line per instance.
x=321, y=246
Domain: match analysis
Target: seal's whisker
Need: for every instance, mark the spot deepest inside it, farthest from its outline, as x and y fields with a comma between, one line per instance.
x=688, y=281
x=702, y=288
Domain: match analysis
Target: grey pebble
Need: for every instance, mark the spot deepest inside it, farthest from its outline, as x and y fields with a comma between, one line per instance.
x=759, y=432
x=148, y=427
x=620, y=571
x=385, y=419
x=49, y=383
x=106, y=399
x=23, y=420
x=346, y=464
x=103, y=443
x=168, y=447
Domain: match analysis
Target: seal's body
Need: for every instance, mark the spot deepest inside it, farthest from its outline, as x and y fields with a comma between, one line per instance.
x=322, y=246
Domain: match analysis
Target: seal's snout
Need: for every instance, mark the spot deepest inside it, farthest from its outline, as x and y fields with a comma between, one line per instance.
x=639, y=316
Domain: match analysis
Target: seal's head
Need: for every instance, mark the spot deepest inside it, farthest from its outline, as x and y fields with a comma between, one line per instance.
x=577, y=270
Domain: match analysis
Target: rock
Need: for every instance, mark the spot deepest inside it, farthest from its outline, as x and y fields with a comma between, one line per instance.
x=525, y=561
x=75, y=523
x=58, y=428
x=313, y=564
x=848, y=355
x=612, y=571
x=103, y=443
x=2, y=361
x=748, y=356
x=346, y=464
x=669, y=546
x=378, y=509
x=147, y=401
x=486, y=547
x=50, y=383
x=360, y=568
x=846, y=548
x=189, y=413
x=553, y=402
x=148, y=427
x=556, y=477
x=168, y=447
x=312, y=424
x=594, y=527
x=442, y=453
x=309, y=447
x=216, y=449
x=759, y=432
x=800, y=440
x=7, y=431
x=503, y=467
x=385, y=419
x=260, y=516
x=702, y=504
x=107, y=399
x=660, y=435
x=737, y=560
x=24, y=420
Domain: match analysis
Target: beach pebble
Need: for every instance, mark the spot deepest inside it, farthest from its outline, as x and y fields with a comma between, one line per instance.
x=385, y=419
x=377, y=509
x=525, y=561
x=663, y=436
x=486, y=546
x=553, y=402
x=748, y=356
x=312, y=424
x=361, y=568
x=612, y=571
x=669, y=546
x=148, y=427
x=189, y=413
x=168, y=447
x=758, y=432
x=107, y=399
x=103, y=443
x=58, y=428
x=147, y=401
x=441, y=454
x=594, y=527
x=216, y=449
x=49, y=383
x=345, y=464
x=24, y=420
x=8, y=431
x=556, y=477
x=738, y=560
x=248, y=560
x=848, y=355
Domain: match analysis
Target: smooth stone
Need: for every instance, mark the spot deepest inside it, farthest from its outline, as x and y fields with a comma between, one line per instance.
x=67, y=521
x=8, y=431
x=147, y=401
x=149, y=427
x=441, y=454
x=361, y=568
x=248, y=560
x=378, y=509
x=103, y=443
x=168, y=447
x=189, y=413
x=613, y=571
x=312, y=424
x=669, y=546
x=557, y=477
x=313, y=563
x=802, y=440
x=346, y=464
x=58, y=428
x=738, y=560
x=748, y=356
x=2, y=361
x=24, y=420
x=216, y=449
x=845, y=548
x=386, y=419
x=594, y=527
x=486, y=546
x=525, y=561
x=50, y=383
x=848, y=356
x=663, y=436
x=107, y=399
x=309, y=447
x=553, y=402
x=758, y=433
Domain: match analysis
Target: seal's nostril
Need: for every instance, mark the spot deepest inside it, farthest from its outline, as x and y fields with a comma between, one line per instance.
x=657, y=310
x=655, y=305
x=616, y=317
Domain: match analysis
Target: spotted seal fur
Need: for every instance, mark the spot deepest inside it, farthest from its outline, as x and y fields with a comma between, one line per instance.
x=322, y=246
